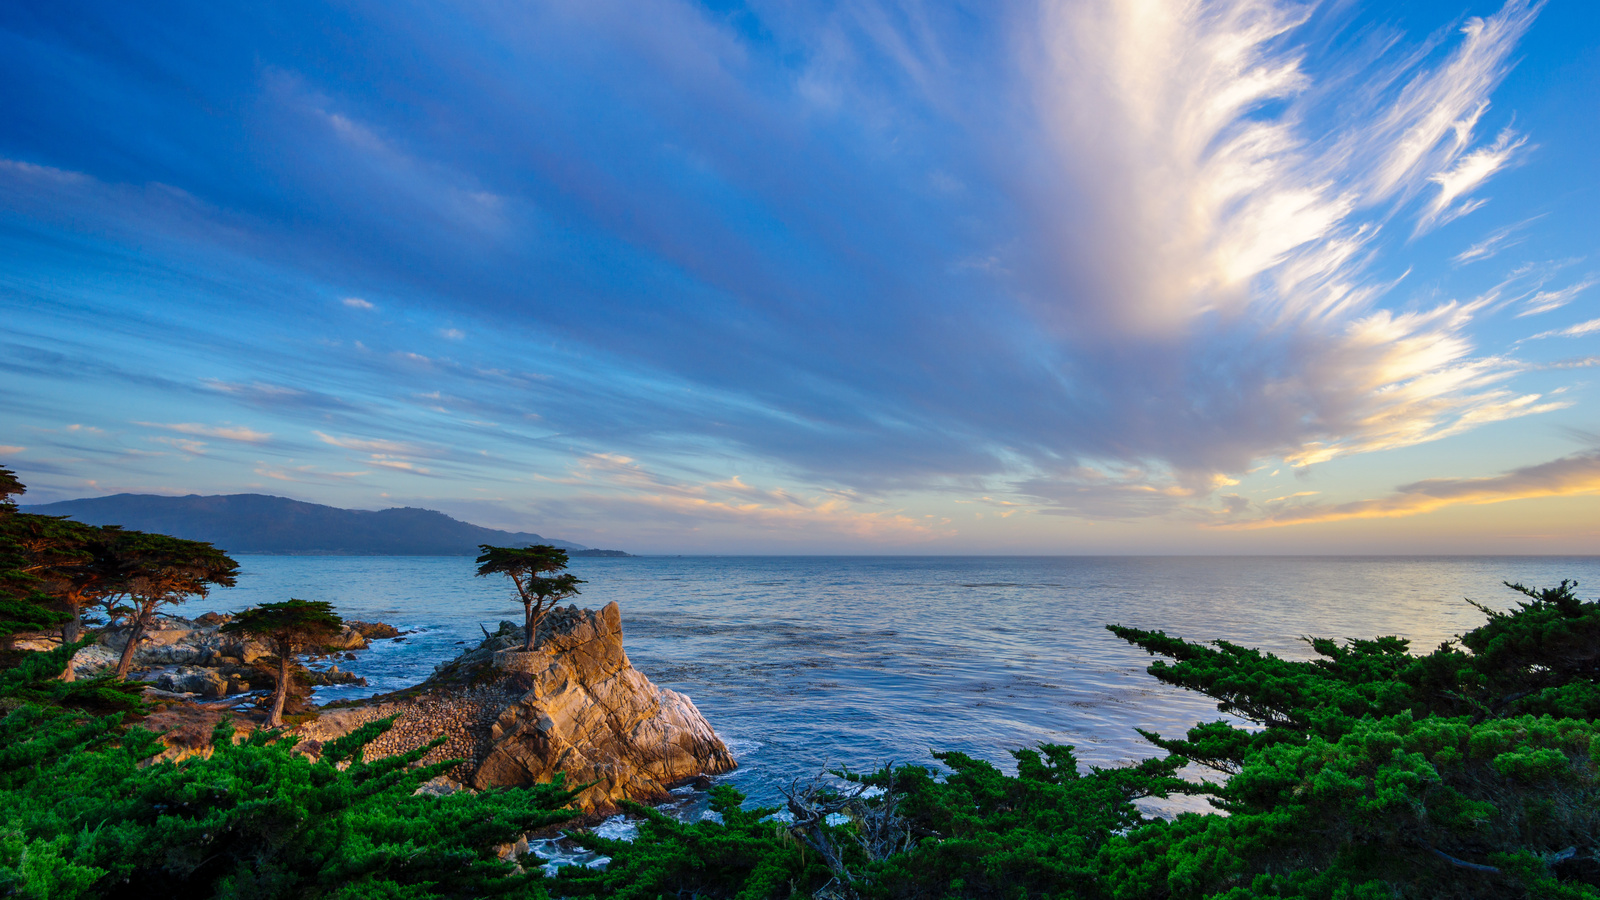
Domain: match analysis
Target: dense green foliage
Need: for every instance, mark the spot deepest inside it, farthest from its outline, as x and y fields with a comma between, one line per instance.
x=745, y=855
x=84, y=812
x=25, y=605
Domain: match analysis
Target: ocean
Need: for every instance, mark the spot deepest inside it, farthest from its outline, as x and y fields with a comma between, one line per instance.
x=809, y=663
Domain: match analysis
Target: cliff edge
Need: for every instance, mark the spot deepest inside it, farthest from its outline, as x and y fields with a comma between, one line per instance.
x=575, y=705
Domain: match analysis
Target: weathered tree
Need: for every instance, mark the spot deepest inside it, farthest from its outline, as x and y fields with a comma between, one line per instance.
x=24, y=603
x=71, y=561
x=9, y=487
x=69, y=564
x=533, y=570
x=155, y=570
x=288, y=628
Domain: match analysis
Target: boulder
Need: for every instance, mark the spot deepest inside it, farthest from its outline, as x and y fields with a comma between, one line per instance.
x=374, y=631
x=348, y=638
x=208, y=683
x=574, y=704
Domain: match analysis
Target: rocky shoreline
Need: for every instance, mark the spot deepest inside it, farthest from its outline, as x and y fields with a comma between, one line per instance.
x=573, y=705
x=194, y=657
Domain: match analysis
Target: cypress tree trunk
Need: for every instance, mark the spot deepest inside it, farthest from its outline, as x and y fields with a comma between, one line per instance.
x=275, y=720
x=136, y=623
x=72, y=629
x=527, y=618
x=72, y=632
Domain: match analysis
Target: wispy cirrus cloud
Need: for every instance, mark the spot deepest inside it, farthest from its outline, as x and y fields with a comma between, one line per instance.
x=399, y=465
x=276, y=396
x=619, y=485
x=238, y=433
x=1470, y=171
x=308, y=473
x=1579, y=330
x=373, y=445
x=1494, y=243
x=1587, y=362
x=1545, y=301
x=191, y=447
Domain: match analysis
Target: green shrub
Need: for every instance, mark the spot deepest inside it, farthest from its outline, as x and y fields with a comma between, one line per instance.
x=84, y=813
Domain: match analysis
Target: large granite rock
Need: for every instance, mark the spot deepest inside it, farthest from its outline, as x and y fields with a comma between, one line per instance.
x=575, y=704
x=208, y=683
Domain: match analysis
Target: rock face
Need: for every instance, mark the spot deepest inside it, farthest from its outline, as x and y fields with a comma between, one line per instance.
x=574, y=704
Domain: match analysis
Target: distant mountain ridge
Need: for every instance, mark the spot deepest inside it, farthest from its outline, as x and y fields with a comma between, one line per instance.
x=261, y=523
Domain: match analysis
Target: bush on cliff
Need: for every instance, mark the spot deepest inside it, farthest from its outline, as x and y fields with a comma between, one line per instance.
x=1466, y=772
x=86, y=812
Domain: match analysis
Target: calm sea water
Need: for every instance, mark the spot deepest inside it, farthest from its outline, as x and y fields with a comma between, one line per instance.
x=807, y=663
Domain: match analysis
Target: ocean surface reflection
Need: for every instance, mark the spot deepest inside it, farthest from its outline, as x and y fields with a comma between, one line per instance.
x=807, y=663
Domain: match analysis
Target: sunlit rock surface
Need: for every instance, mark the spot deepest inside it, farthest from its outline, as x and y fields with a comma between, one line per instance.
x=574, y=704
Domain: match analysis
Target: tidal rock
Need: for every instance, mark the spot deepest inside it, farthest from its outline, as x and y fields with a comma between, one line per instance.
x=348, y=638
x=573, y=705
x=374, y=631
x=332, y=675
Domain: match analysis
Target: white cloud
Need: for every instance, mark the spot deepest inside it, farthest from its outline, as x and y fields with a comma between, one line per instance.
x=625, y=487
x=357, y=303
x=11, y=449
x=1587, y=362
x=452, y=334
x=237, y=433
x=1579, y=330
x=400, y=465
x=305, y=474
x=191, y=447
x=1189, y=202
x=1470, y=171
x=373, y=445
x=18, y=168
x=1545, y=301
x=1428, y=127
x=1497, y=240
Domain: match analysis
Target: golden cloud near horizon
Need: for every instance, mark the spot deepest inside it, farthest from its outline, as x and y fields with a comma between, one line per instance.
x=1571, y=475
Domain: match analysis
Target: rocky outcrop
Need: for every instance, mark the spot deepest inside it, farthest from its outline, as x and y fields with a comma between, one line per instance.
x=194, y=657
x=575, y=704
x=191, y=643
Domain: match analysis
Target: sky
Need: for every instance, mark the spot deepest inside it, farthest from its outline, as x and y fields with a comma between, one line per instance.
x=1078, y=277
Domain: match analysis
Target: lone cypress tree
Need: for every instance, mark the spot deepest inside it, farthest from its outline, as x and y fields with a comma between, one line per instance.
x=531, y=570
x=288, y=627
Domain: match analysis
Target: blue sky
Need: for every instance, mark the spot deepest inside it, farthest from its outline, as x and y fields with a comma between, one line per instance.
x=1081, y=277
